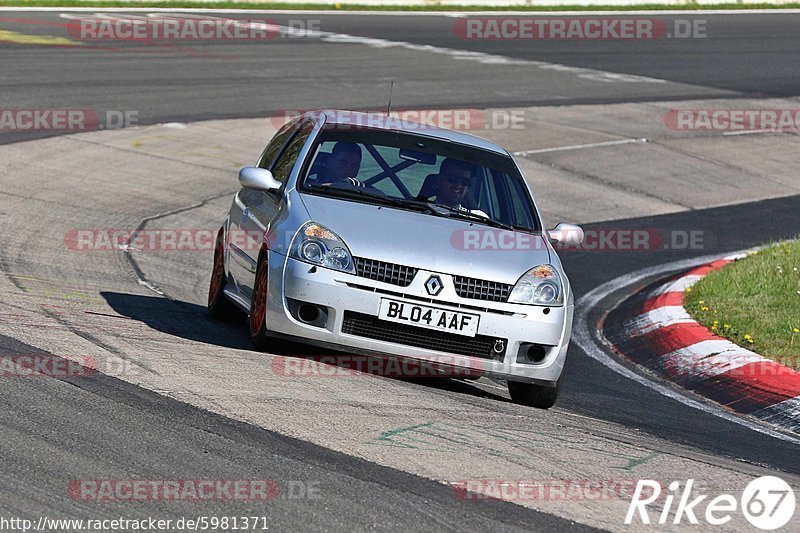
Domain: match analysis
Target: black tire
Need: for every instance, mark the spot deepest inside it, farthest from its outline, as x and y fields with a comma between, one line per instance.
x=258, y=307
x=534, y=395
x=219, y=306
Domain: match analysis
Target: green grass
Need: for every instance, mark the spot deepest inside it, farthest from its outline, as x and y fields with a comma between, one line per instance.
x=755, y=302
x=333, y=6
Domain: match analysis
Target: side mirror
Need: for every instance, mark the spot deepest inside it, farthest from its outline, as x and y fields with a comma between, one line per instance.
x=258, y=179
x=567, y=234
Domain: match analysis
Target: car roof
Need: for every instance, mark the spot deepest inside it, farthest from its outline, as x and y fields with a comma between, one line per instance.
x=382, y=122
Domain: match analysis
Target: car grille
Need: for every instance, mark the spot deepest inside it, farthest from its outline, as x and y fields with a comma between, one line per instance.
x=371, y=327
x=385, y=272
x=401, y=275
x=479, y=289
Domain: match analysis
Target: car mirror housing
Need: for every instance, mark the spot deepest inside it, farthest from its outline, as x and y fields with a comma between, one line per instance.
x=258, y=179
x=568, y=234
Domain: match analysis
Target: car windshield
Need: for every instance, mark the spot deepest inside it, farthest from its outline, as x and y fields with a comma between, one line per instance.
x=420, y=173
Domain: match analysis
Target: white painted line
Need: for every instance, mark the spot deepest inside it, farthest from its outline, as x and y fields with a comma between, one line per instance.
x=785, y=414
x=461, y=55
x=582, y=336
x=116, y=16
x=693, y=363
x=656, y=318
x=483, y=58
x=579, y=146
x=679, y=285
x=150, y=286
x=749, y=132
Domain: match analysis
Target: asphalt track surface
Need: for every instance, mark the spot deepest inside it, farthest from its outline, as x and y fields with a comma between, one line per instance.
x=754, y=55
x=104, y=427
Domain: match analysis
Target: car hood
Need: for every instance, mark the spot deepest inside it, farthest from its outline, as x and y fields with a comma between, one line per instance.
x=429, y=242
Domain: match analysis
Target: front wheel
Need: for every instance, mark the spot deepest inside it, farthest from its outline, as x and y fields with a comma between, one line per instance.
x=534, y=395
x=258, y=306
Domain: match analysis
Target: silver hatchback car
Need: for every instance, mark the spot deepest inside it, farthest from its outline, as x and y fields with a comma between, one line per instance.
x=370, y=235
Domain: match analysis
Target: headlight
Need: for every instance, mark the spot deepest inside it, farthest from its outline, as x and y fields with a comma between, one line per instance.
x=318, y=245
x=540, y=285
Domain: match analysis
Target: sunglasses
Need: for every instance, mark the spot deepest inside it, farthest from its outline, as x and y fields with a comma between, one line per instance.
x=452, y=180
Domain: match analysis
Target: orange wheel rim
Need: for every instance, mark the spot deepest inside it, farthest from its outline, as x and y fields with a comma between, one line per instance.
x=259, y=313
x=216, y=275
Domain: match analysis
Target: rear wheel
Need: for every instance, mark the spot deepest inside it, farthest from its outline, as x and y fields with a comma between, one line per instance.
x=219, y=307
x=534, y=395
x=258, y=307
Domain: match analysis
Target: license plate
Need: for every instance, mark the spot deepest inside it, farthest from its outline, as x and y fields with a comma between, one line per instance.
x=429, y=317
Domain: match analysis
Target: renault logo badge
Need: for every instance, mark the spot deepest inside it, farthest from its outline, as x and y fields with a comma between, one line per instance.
x=434, y=285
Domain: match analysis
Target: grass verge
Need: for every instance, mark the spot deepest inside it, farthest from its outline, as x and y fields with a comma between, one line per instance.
x=754, y=302
x=333, y=6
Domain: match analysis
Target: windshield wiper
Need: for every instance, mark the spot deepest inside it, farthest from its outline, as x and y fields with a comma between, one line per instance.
x=468, y=215
x=358, y=192
x=430, y=207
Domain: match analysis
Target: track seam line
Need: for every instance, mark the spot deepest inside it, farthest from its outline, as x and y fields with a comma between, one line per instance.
x=141, y=279
x=622, y=187
x=716, y=162
x=137, y=152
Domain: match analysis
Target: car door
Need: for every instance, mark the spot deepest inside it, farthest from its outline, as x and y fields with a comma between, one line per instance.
x=256, y=209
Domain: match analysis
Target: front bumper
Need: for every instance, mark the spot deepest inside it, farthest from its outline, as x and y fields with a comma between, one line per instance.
x=350, y=295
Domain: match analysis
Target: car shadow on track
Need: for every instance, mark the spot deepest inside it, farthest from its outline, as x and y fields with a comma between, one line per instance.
x=182, y=319
x=191, y=321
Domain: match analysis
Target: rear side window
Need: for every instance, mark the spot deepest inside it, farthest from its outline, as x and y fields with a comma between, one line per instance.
x=285, y=163
x=277, y=143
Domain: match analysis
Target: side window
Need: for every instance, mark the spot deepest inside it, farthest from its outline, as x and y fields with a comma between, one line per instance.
x=276, y=144
x=283, y=166
x=521, y=210
x=494, y=196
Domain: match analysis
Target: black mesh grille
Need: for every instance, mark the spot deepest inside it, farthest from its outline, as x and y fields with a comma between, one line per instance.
x=371, y=327
x=385, y=272
x=479, y=289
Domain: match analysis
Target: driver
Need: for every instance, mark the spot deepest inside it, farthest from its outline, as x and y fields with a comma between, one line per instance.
x=344, y=164
x=452, y=185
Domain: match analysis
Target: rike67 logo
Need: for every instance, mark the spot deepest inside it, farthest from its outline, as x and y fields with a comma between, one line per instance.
x=767, y=503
